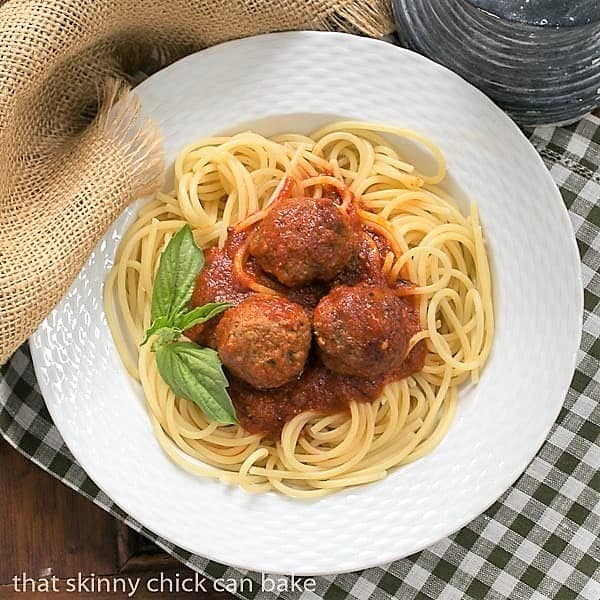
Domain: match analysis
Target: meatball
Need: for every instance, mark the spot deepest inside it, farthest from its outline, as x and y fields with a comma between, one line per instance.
x=360, y=330
x=264, y=340
x=302, y=240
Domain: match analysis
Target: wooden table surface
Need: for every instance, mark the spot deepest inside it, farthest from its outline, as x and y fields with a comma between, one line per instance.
x=48, y=529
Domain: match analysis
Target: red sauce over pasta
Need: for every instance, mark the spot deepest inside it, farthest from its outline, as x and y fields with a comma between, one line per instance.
x=317, y=388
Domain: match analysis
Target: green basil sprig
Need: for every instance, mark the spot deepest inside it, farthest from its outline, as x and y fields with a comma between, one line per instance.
x=191, y=371
x=195, y=373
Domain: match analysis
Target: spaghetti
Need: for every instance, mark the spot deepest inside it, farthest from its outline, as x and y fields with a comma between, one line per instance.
x=230, y=181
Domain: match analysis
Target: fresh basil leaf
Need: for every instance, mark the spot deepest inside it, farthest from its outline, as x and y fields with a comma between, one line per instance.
x=179, y=265
x=196, y=374
x=159, y=323
x=172, y=329
x=166, y=335
x=199, y=314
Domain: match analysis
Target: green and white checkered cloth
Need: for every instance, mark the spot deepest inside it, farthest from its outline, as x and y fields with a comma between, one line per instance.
x=539, y=540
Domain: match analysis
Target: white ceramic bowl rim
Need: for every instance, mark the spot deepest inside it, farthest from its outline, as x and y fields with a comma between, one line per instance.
x=298, y=81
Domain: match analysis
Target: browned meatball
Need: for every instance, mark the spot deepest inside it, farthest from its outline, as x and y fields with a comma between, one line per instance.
x=302, y=240
x=360, y=330
x=264, y=340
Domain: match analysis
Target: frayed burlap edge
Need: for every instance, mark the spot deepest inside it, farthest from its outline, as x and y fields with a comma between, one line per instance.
x=62, y=183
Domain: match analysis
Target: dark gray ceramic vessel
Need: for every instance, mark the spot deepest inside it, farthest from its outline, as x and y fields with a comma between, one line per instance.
x=538, y=59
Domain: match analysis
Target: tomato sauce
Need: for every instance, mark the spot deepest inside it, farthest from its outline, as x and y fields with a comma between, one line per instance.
x=317, y=388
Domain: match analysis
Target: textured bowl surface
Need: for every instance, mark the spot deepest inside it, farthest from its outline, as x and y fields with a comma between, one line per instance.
x=538, y=60
x=298, y=81
x=552, y=13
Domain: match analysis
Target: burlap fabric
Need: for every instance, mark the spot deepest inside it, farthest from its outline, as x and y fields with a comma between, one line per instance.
x=68, y=163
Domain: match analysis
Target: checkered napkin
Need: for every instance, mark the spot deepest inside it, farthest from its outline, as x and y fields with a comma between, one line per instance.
x=539, y=540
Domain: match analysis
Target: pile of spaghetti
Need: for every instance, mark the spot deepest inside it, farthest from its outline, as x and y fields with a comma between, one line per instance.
x=224, y=181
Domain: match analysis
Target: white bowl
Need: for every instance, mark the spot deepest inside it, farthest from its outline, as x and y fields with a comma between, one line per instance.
x=298, y=81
